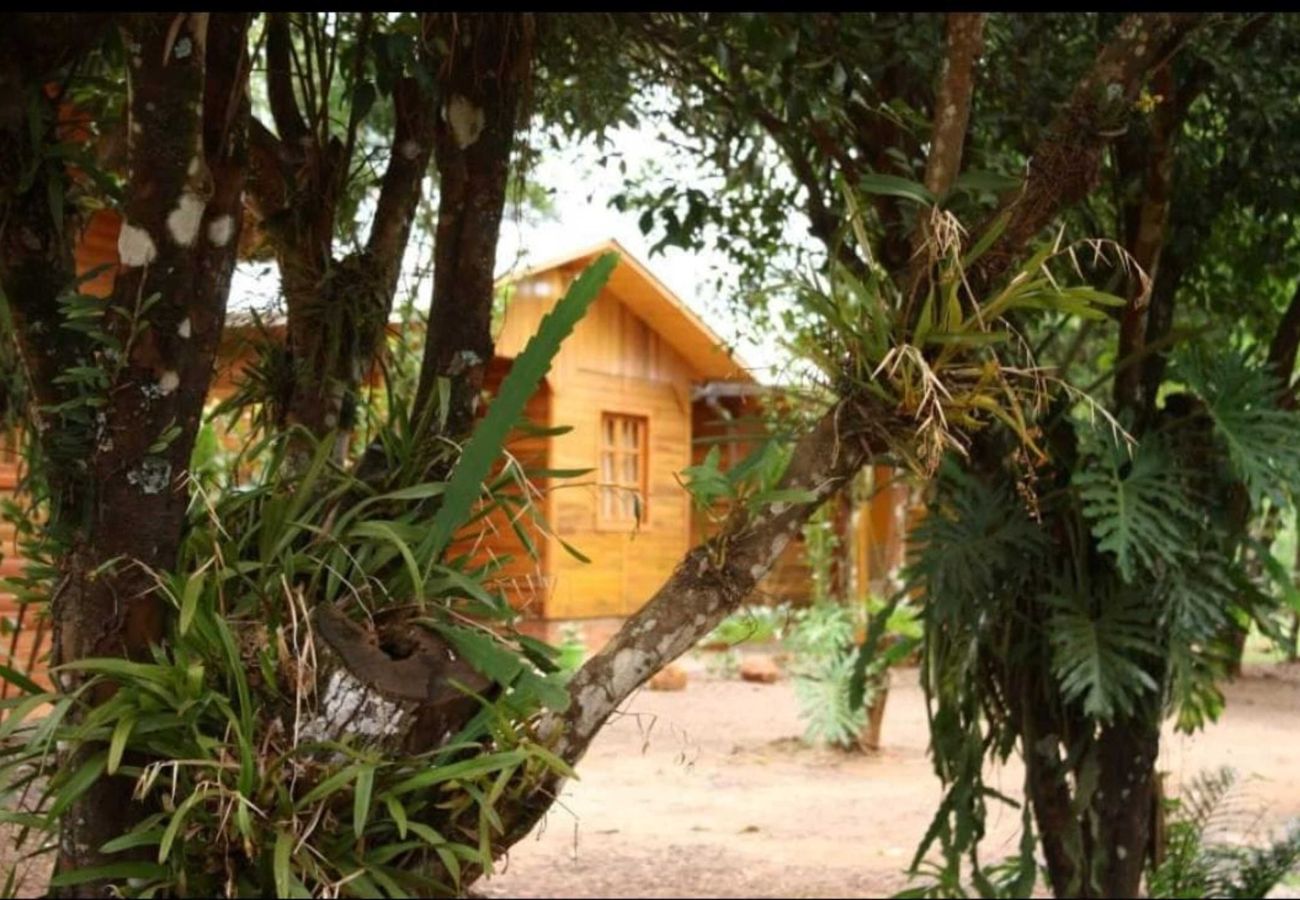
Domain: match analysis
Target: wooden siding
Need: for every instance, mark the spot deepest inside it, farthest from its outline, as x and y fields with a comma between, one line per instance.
x=628, y=565
x=25, y=635
x=609, y=340
x=614, y=362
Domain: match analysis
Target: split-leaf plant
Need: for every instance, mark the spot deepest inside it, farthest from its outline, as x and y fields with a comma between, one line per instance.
x=1075, y=601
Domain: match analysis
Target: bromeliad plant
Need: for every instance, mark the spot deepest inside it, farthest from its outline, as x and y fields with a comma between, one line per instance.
x=342, y=704
x=932, y=348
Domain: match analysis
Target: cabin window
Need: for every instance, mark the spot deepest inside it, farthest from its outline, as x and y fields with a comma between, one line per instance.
x=622, y=481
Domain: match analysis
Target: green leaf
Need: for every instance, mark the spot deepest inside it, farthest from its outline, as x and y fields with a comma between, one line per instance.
x=483, y=652
x=1138, y=508
x=78, y=783
x=398, y=812
x=21, y=711
x=465, y=769
x=190, y=600
x=894, y=186
x=132, y=839
x=984, y=182
x=361, y=800
x=363, y=98
x=280, y=862
x=1098, y=654
x=117, y=744
x=381, y=530
x=177, y=822
x=118, y=871
x=484, y=446
x=1263, y=440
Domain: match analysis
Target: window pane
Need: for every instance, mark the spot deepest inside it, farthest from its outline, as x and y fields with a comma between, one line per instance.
x=622, y=467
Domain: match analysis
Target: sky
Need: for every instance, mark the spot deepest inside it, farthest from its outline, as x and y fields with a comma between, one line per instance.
x=581, y=218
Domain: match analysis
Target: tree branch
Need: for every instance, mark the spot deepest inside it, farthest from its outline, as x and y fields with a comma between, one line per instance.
x=279, y=82
x=399, y=192
x=475, y=138
x=964, y=43
x=1149, y=229
x=708, y=584
x=1065, y=166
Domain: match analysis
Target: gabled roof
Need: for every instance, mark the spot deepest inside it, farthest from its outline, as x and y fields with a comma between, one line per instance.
x=637, y=287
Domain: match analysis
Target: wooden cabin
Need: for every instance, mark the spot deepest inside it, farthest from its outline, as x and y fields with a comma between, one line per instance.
x=628, y=383
x=643, y=384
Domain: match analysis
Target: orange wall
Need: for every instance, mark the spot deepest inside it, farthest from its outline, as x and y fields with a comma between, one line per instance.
x=612, y=363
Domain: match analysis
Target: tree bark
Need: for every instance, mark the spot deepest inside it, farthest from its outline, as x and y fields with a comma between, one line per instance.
x=964, y=42
x=707, y=585
x=36, y=236
x=1065, y=166
x=337, y=308
x=964, y=36
x=1126, y=754
x=1146, y=242
x=483, y=80
x=187, y=108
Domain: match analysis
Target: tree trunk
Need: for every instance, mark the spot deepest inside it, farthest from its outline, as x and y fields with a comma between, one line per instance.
x=1126, y=755
x=1147, y=229
x=483, y=81
x=36, y=238
x=337, y=308
x=187, y=107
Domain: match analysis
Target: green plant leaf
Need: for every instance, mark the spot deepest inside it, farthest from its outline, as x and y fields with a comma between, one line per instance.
x=282, y=854
x=361, y=800
x=118, y=871
x=519, y=385
x=117, y=744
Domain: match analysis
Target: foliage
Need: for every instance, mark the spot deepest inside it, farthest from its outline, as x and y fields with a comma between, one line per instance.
x=837, y=672
x=754, y=624
x=225, y=729
x=822, y=645
x=1098, y=587
x=1196, y=865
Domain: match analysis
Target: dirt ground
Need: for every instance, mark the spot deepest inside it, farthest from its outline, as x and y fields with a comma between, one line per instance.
x=709, y=792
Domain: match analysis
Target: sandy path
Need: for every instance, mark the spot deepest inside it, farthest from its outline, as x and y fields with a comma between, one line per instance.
x=708, y=792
